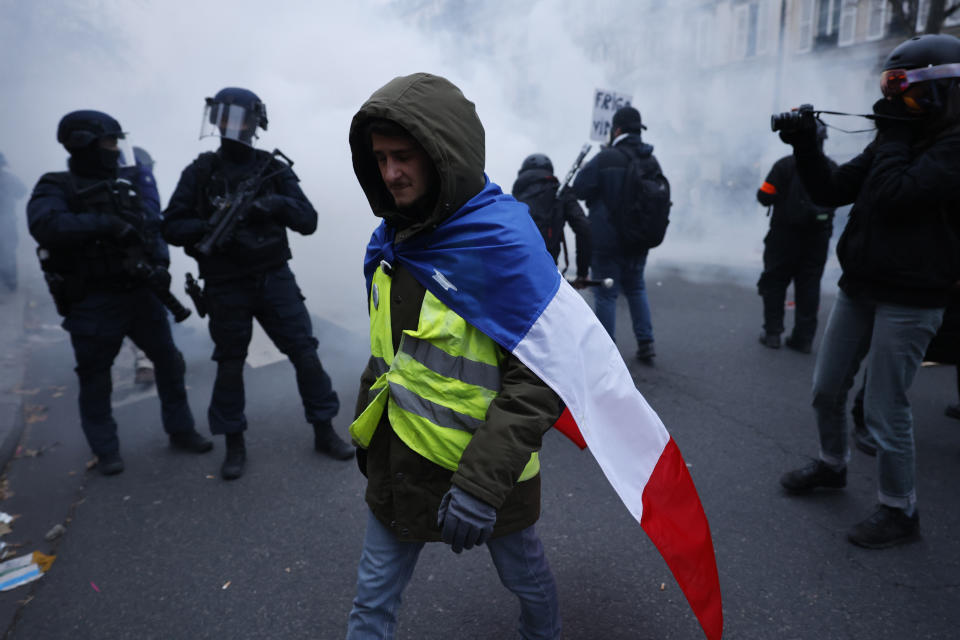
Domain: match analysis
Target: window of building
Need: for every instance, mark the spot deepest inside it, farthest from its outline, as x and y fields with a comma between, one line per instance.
x=828, y=19
x=848, y=23
x=877, y=19
x=752, y=18
x=923, y=10
x=703, y=39
x=766, y=30
x=804, y=31
x=741, y=31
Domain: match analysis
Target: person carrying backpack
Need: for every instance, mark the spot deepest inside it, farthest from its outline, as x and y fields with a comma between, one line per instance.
x=795, y=249
x=537, y=187
x=629, y=200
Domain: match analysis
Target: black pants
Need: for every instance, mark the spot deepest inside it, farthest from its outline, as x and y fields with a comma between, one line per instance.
x=97, y=326
x=274, y=299
x=796, y=255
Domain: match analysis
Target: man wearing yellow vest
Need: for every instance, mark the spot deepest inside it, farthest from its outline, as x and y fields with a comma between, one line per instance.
x=449, y=422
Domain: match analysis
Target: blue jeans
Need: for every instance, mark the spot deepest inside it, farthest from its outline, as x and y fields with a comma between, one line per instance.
x=627, y=274
x=893, y=339
x=386, y=565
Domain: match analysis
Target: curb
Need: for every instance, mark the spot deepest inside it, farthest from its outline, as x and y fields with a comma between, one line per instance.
x=14, y=343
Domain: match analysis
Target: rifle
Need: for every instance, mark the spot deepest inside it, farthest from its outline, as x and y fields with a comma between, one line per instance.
x=135, y=261
x=573, y=170
x=562, y=190
x=196, y=294
x=229, y=209
x=156, y=279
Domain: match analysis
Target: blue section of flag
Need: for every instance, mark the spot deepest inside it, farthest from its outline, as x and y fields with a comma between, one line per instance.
x=487, y=262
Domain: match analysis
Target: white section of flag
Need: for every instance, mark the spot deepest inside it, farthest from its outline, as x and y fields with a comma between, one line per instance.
x=569, y=349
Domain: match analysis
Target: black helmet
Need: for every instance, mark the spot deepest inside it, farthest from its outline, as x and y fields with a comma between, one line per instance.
x=928, y=50
x=537, y=161
x=931, y=61
x=79, y=129
x=234, y=113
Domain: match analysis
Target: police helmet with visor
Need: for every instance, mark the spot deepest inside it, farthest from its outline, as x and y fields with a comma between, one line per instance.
x=234, y=113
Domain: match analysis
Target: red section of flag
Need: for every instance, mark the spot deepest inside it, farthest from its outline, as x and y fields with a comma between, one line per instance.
x=566, y=425
x=674, y=519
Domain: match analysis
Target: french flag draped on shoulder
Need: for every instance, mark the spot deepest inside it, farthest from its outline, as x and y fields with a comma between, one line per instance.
x=487, y=263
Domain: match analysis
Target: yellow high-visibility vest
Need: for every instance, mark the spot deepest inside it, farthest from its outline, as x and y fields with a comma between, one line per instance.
x=438, y=385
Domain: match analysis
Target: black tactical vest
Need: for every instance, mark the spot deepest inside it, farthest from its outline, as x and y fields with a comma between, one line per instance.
x=100, y=262
x=254, y=242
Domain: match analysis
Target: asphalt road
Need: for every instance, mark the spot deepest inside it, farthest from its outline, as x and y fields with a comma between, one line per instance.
x=169, y=550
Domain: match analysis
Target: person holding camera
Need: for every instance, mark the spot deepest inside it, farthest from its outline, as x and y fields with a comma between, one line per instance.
x=900, y=256
x=795, y=249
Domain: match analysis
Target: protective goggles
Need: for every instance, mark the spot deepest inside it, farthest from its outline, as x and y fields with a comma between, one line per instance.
x=894, y=82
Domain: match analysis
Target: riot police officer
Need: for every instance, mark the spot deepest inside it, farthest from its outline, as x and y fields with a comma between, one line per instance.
x=245, y=271
x=97, y=257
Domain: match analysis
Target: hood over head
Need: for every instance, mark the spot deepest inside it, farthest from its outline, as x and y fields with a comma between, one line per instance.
x=438, y=116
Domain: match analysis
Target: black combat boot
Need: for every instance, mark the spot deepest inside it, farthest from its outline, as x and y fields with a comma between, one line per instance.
x=770, y=340
x=233, y=463
x=110, y=464
x=799, y=344
x=190, y=441
x=326, y=440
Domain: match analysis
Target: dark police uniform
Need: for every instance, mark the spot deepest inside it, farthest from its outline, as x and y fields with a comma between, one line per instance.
x=74, y=220
x=795, y=249
x=249, y=278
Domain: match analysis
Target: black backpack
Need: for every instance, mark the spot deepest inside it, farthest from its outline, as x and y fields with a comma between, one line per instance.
x=642, y=215
x=547, y=213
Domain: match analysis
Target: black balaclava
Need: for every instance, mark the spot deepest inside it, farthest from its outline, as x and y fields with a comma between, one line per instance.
x=236, y=152
x=93, y=161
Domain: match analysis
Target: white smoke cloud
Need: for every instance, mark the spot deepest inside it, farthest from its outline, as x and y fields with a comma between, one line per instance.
x=526, y=66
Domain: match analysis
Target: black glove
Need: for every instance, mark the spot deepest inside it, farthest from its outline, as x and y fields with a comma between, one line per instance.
x=265, y=208
x=464, y=521
x=122, y=232
x=895, y=122
x=193, y=231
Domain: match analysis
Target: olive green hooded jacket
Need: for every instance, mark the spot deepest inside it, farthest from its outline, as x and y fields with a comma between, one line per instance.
x=404, y=489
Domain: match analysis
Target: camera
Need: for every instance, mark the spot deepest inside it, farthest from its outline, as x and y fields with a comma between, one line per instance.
x=791, y=120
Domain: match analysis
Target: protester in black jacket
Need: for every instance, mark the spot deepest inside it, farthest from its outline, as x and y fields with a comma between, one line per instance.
x=536, y=186
x=795, y=249
x=600, y=183
x=900, y=255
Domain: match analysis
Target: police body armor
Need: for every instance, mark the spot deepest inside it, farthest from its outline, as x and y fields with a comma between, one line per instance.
x=254, y=241
x=101, y=264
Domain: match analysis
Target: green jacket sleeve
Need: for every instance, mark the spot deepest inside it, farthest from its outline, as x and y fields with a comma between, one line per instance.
x=516, y=421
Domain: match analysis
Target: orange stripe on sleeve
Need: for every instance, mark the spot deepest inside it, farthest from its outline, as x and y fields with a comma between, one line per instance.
x=766, y=187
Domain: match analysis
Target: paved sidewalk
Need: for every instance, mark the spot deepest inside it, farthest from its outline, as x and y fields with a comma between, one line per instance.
x=15, y=347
